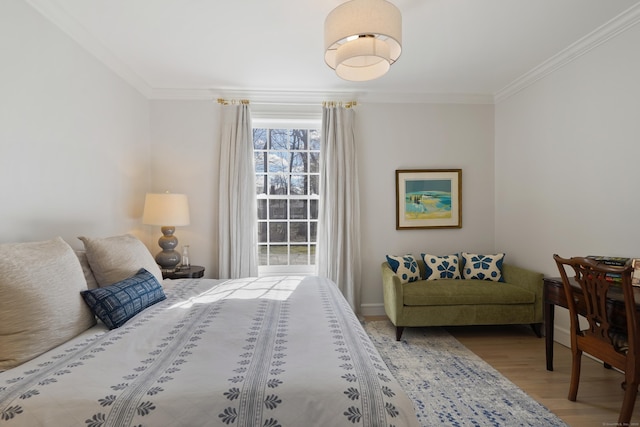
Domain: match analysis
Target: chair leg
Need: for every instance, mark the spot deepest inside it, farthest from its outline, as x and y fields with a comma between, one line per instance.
x=399, y=330
x=575, y=374
x=628, y=402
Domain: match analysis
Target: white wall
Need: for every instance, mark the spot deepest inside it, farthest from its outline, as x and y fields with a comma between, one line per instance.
x=74, y=138
x=184, y=159
x=567, y=162
x=421, y=136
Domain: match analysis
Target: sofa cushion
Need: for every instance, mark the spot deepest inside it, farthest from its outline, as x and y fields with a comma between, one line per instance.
x=405, y=267
x=482, y=267
x=441, y=267
x=464, y=292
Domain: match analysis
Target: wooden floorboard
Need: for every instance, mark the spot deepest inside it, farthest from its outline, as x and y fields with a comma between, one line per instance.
x=519, y=355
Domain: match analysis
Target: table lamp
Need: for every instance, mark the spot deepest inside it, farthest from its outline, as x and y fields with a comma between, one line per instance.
x=167, y=210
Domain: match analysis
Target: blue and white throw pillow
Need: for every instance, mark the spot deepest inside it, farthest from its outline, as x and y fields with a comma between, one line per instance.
x=405, y=267
x=441, y=267
x=482, y=267
x=116, y=304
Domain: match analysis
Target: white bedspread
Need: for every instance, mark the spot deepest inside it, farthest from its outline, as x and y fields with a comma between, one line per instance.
x=274, y=351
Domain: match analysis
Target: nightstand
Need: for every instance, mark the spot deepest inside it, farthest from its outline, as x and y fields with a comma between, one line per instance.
x=192, y=272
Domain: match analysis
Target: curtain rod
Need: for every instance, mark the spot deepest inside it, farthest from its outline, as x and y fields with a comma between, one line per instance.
x=278, y=98
x=233, y=101
x=348, y=104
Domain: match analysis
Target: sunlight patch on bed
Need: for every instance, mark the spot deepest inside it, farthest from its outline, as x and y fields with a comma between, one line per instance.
x=278, y=288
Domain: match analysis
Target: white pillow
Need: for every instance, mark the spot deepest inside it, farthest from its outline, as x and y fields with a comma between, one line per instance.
x=40, y=302
x=113, y=259
x=86, y=269
x=441, y=267
x=482, y=267
x=405, y=267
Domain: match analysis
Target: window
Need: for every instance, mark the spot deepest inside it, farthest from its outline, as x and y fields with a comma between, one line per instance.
x=287, y=180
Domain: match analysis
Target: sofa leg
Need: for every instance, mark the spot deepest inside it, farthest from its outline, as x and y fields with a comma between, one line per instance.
x=537, y=329
x=399, y=330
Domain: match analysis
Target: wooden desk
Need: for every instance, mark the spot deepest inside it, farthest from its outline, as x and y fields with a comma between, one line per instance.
x=554, y=294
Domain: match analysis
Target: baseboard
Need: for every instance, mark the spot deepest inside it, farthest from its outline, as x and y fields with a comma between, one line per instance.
x=372, y=310
x=562, y=336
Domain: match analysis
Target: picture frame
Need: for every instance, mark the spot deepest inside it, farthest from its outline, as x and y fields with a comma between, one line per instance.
x=428, y=198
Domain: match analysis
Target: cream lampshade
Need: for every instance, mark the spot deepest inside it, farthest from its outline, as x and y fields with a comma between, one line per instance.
x=362, y=39
x=167, y=210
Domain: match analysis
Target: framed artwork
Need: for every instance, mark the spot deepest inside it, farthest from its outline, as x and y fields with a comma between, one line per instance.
x=428, y=198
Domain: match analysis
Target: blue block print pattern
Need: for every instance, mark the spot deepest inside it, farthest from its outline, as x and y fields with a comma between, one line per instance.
x=442, y=267
x=116, y=304
x=405, y=267
x=482, y=267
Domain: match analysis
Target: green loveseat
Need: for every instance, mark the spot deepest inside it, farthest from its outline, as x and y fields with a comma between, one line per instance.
x=517, y=300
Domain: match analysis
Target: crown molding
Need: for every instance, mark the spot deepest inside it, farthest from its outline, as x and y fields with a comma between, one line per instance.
x=600, y=35
x=303, y=97
x=256, y=97
x=184, y=94
x=427, y=98
x=288, y=97
x=59, y=17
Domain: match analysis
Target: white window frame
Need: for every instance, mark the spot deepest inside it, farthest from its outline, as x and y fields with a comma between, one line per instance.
x=288, y=120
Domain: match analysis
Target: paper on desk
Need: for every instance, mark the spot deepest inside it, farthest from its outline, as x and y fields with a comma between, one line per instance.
x=635, y=278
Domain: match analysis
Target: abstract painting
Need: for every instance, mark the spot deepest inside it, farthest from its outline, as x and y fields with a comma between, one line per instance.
x=428, y=198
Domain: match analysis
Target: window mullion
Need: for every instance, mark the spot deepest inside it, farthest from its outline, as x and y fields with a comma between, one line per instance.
x=287, y=171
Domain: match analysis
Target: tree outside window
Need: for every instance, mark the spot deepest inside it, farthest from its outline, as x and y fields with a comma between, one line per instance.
x=287, y=181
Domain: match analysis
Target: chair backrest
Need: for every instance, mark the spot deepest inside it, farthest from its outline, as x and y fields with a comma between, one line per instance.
x=599, y=282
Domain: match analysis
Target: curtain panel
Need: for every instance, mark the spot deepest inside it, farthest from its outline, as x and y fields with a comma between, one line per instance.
x=237, y=212
x=338, y=251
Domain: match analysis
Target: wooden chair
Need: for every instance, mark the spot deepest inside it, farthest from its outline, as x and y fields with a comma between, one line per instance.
x=617, y=348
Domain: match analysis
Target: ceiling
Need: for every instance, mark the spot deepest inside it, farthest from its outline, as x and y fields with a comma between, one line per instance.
x=464, y=48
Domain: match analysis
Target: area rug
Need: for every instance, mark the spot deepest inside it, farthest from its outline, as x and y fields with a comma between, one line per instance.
x=450, y=385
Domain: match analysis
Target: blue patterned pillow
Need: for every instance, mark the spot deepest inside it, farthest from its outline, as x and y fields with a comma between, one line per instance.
x=441, y=267
x=405, y=267
x=482, y=267
x=116, y=304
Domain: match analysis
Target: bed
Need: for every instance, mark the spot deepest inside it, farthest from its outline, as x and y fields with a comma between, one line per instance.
x=271, y=351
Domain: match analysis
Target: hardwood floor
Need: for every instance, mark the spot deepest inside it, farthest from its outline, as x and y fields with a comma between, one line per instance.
x=519, y=355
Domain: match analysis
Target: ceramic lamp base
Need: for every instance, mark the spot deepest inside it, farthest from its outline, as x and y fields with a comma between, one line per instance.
x=169, y=258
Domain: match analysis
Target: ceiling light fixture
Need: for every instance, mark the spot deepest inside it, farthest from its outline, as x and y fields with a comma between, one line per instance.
x=362, y=38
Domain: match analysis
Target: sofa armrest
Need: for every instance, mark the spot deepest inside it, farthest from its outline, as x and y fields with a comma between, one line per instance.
x=528, y=280
x=393, y=293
